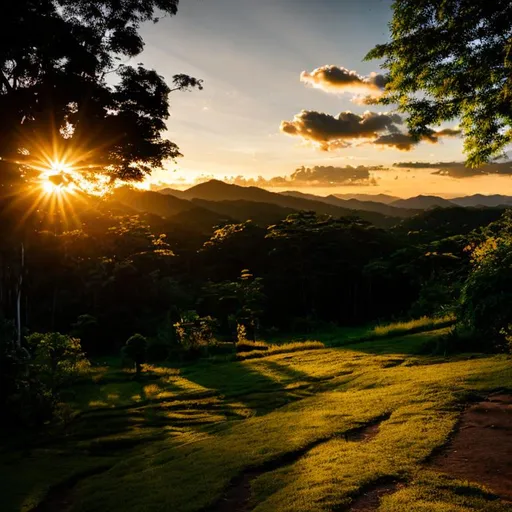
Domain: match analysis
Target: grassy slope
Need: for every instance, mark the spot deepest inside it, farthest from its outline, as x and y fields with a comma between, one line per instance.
x=176, y=440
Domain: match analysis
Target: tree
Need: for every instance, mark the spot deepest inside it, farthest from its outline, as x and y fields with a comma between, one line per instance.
x=487, y=293
x=452, y=59
x=66, y=93
x=135, y=349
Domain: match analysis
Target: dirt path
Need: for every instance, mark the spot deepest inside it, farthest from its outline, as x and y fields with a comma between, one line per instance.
x=237, y=496
x=59, y=498
x=481, y=449
x=369, y=499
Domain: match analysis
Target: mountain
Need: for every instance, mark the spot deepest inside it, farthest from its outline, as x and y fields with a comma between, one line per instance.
x=263, y=214
x=376, y=198
x=357, y=204
x=482, y=200
x=312, y=197
x=153, y=202
x=171, y=192
x=215, y=190
x=438, y=223
x=176, y=211
x=423, y=203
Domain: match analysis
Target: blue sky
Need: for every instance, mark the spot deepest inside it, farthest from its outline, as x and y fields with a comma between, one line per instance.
x=250, y=54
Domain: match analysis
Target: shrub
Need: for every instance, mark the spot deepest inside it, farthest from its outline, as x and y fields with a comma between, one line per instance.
x=58, y=358
x=136, y=350
x=195, y=334
x=487, y=294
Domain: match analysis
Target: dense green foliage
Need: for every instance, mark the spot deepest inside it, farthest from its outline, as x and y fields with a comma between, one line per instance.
x=487, y=293
x=452, y=59
x=65, y=93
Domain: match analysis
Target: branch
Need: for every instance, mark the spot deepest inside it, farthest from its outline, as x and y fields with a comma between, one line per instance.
x=6, y=83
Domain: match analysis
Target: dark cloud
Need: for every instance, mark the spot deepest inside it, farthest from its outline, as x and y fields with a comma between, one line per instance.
x=401, y=141
x=405, y=142
x=339, y=79
x=459, y=169
x=329, y=132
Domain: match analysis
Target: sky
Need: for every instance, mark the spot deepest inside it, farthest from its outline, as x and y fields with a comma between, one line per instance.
x=247, y=121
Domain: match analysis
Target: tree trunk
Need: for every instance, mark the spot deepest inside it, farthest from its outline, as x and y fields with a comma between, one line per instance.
x=18, y=299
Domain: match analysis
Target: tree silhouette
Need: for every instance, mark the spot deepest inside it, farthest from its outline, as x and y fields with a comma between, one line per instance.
x=451, y=59
x=67, y=92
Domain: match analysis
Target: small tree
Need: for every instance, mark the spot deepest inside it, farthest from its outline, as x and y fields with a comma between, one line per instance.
x=135, y=349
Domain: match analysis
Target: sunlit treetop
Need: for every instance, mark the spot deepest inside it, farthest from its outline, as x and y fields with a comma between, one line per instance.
x=68, y=95
x=452, y=59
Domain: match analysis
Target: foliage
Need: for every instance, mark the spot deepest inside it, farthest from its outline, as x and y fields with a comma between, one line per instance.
x=63, y=85
x=487, y=293
x=32, y=380
x=239, y=303
x=450, y=59
x=58, y=358
x=195, y=334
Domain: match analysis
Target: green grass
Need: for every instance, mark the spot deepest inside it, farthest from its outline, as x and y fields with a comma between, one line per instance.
x=422, y=324
x=175, y=440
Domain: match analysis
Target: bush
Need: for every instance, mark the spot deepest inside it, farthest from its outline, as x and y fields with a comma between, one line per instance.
x=32, y=380
x=487, y=294
x=136, y=350
x=195, y=334
x=58, y=358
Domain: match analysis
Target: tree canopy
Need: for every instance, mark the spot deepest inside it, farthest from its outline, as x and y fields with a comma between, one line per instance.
x=70, y=92
x=452, y=59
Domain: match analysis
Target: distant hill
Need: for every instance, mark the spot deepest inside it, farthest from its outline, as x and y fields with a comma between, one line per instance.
x=215, y=190
x=437, y=223
x=177, y=211
x=357, y=204
x=483, y=200
x=171, y=192
x=376, y=198
x=263, y=214
x=423, y=202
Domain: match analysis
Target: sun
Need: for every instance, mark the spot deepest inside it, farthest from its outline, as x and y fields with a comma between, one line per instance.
x=58, y=179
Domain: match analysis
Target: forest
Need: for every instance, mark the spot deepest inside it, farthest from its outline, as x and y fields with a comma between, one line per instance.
x=228, y=347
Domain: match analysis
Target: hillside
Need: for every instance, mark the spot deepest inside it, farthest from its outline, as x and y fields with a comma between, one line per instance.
x=357, y=204
x=376, y=198
x=281, y=432
x=422, y=202
x=215, y=190
x=262, y=214
x=483, y=200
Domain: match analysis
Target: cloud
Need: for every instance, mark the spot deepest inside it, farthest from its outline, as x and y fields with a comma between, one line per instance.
x=303, y=177
x=400, y=141
x=317, y=176
x=338, y=79
x=330, y=132
x=459, y=169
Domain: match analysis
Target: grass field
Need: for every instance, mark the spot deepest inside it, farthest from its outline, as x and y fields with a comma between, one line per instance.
x=176, y=440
